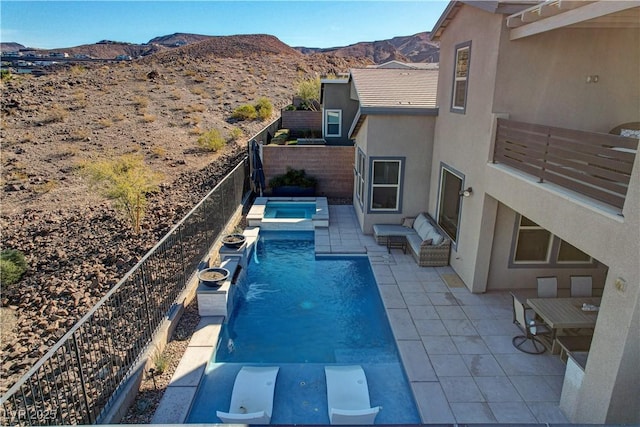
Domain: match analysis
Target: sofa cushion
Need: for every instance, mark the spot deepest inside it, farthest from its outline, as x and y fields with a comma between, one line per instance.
x=420, y=219
x=408, y=222
x=424, y=230
x=414, y=242
x=392, y=230
x=436, y=237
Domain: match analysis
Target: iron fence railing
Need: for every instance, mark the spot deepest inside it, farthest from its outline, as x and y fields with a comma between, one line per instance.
x=79, y=377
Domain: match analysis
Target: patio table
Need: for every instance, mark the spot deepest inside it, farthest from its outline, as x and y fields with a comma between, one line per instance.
x=565, y=313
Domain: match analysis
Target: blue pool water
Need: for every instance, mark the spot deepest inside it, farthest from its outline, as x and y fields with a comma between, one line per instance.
x=301, y=313
x=290, y=210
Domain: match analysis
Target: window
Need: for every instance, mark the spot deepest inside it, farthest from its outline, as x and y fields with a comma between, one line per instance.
x=385, y=185
x=535, y=246
x=360, y=177
x=460, y=78
x=533, y=243
x=333, y=123
x=449, y=202
x=567, y=253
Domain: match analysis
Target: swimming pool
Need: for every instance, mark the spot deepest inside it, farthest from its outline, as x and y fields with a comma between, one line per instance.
x=289, y=210
x=301, y=313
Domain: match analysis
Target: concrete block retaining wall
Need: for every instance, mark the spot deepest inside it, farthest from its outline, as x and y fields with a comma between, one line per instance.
x=332, y=166
x=300, y=122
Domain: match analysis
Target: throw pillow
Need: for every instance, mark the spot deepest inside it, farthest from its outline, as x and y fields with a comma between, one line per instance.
x=408, y=222
x=630, y=133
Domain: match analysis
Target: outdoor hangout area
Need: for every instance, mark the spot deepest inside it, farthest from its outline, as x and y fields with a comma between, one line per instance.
x=460, y=352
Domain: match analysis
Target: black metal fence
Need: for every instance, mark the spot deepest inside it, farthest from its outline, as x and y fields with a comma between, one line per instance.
x=80, y=377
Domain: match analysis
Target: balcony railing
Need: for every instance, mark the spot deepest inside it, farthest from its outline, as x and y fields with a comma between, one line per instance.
x=593, y=164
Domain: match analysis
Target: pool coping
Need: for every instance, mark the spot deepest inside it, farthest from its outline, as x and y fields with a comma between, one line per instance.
x=255, y=217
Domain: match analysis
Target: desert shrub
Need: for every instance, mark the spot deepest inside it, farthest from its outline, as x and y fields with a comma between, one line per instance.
x=141, y=101
x=76, y=70
x=127, y=181
x=245, y=112
x=6, y=74
x=160, y=362
x=149, y=118
x=280, y=137
x=211, y=140
x=105, y=123
x=293, y=177
x=235, y=134
x=56, y=114
x=264, y=108
x=308, y=91
x=12, y=266
x=158, y=151
x=197, y=90
x=80, y=99
x=49, y=185
x=79, y=134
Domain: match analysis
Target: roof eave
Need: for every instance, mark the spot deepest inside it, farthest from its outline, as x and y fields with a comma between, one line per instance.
x=399, y=110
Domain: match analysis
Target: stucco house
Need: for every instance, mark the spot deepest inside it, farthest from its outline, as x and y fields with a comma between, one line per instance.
x=389, y=115
x=567, y=73
x=527, y=95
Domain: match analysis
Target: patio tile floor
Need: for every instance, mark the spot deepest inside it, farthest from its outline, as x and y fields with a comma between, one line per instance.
x=455, y=345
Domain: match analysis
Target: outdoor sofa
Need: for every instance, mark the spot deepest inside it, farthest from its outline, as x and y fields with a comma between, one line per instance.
x=428, y=244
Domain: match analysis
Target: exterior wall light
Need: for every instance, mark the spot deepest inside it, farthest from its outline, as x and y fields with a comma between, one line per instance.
x=466, y=193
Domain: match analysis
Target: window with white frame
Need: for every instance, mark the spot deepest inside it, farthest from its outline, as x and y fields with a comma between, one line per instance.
x=449, y=202
x=333, y=123
x=461, y=78
x=385, y=184
x=360, y=162
x=533, y=245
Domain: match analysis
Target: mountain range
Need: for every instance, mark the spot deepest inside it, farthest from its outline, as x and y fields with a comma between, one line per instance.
x=414, y=48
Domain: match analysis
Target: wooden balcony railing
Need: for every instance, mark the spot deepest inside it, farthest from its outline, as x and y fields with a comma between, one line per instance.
x=596, y=165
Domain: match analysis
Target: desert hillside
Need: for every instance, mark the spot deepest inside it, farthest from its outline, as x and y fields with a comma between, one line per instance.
x=76, y=244
x=415, y=48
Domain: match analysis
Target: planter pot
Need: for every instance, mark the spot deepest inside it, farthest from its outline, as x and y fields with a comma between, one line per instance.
x=233, y=241
x=293, y=191
x=213, y=277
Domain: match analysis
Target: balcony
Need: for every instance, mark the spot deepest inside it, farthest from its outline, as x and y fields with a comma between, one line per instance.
x=591, y=164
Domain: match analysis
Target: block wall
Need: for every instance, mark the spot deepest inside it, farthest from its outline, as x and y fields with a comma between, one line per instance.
x=300, y=122
x=332, y=166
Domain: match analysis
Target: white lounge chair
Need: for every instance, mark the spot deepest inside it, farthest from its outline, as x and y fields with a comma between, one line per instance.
x=252, y=396
x=348, y=396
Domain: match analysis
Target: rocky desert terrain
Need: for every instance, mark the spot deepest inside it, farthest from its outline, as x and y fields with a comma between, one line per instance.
x=77, y=245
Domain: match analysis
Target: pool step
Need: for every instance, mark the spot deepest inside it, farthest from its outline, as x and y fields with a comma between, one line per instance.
x=357, y=355
x=286, y=225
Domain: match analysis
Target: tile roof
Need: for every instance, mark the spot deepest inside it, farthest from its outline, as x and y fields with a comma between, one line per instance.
x=389, y=88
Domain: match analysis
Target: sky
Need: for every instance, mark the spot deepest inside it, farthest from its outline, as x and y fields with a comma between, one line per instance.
x=310, y=23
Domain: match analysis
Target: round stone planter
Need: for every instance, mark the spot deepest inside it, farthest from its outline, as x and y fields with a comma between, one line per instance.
x=213, y=277
x=233, y=241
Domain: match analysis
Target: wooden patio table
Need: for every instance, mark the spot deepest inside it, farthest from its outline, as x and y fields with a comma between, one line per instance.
x=565, y=313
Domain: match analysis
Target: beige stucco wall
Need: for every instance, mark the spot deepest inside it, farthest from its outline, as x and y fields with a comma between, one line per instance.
x=543, y=78
x=462, y=140
x=501, y=277
x=410, y=137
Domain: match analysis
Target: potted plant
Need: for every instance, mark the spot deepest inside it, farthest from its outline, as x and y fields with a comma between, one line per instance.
x=295, y=182
x=233, y=241
x=213, y=277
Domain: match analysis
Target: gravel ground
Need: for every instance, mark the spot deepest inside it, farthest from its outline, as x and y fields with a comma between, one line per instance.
x=154, y=384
